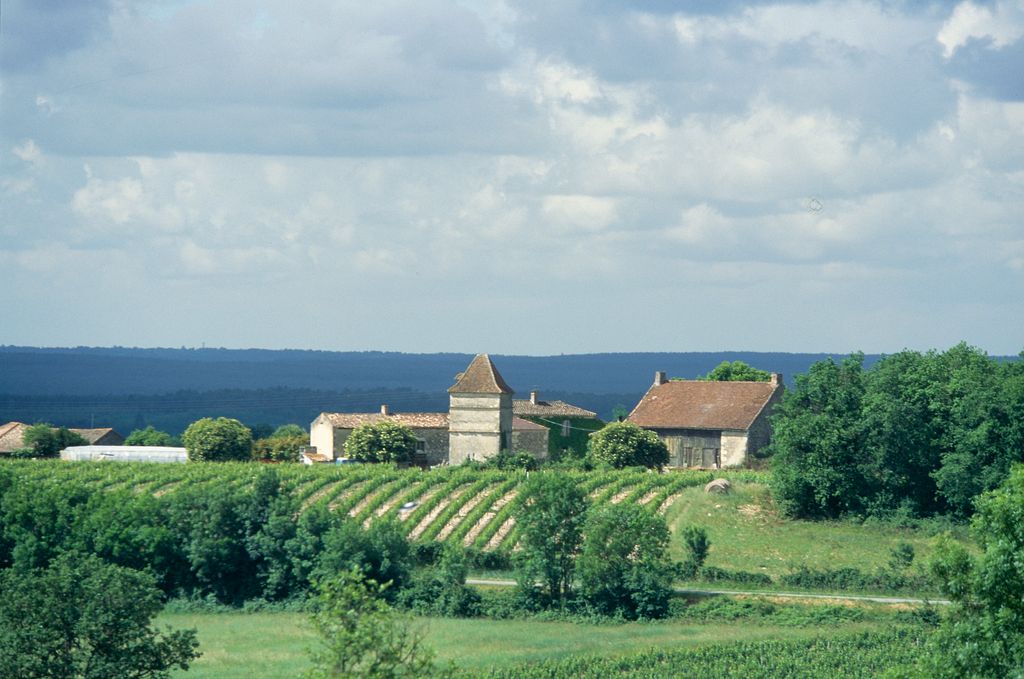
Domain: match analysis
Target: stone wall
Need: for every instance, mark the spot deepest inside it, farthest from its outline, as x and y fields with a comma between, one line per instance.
x=480, y=426
x=533, y=441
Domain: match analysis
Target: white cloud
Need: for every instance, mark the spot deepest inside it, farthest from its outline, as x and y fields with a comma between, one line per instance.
x=300, y=153
x=28, y=152
x=1002, y=25
x=579, y=213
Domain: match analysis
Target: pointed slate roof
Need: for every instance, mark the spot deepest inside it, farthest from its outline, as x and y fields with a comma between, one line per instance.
x=481, y=377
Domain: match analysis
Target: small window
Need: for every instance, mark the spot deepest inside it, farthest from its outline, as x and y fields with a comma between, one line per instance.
x=421, y=445
x=565, y=428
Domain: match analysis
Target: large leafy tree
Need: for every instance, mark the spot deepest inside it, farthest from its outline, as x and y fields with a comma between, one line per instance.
x=82, y=618
x=917, y=433
x=362, y=637
x=385, y=441
x=217, y=440
x=623, y=444
x=550, y=520
x=982, y=634
x=737, y=371
x=624, y=567
x=818, y=462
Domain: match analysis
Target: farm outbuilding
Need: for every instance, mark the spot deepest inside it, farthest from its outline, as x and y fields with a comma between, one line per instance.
x=162, y=454
x=709, y=424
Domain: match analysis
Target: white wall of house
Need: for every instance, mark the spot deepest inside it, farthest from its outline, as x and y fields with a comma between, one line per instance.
x=321, y=436
x=734, y=448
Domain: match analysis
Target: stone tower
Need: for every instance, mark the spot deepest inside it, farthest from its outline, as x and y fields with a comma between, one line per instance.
x=479, y=413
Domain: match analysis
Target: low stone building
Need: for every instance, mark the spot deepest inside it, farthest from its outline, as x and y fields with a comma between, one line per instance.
x=478, y=425
x=12, y=436
x=569, y=426
x=329, y=430
x=709, y=424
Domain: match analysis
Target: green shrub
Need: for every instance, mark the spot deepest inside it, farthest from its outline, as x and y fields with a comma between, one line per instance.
x=217, y=440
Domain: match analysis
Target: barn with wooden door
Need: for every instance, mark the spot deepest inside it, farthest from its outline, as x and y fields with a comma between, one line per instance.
x=709, y=424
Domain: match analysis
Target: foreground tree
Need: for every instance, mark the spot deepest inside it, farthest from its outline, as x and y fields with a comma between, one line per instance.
x=384, y=441
x=624, y=568
x=737, y=371
x=623, y=444
x=982, y=633
x=217, y=440
x=550, y=521
x=45, y=440
x=82, y=618
x=362, y=637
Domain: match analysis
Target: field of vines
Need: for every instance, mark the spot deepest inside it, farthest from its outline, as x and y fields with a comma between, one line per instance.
x=466, y=505
x=864, y=654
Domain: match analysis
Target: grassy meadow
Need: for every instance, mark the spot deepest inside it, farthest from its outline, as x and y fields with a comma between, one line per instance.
x=268, y=645
x=748, y=534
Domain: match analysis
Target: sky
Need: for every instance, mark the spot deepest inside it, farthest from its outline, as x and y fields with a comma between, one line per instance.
x=529, y=177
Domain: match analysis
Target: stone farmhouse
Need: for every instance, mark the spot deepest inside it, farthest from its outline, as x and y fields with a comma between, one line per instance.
x=479, y=424
x=12, y=436
x=709, y=424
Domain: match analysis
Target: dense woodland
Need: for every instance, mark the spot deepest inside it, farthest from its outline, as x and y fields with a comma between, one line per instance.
x=915, y=434
x=129, y=388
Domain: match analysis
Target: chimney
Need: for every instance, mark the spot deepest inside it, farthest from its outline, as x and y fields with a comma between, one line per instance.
x=533, y=397
x=384, y=410
x=776, y=379
x=659, y=378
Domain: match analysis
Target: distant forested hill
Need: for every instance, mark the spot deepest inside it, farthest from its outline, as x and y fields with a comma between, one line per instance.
x=126, y=387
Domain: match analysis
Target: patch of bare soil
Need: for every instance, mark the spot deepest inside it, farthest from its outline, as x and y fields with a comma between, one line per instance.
x=318, y=495
x=488, y=517
x=463, y=512
x=429, y=518
x=164, y=490
x=368, y=498
x=405, y=514
x=621, y=495
x=346, y=494
x=499, y=536
x=668, y=502
x=650, y=495
x=752, y=511
x=398, y=498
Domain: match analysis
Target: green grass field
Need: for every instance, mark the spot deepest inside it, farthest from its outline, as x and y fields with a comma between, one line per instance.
x=269, y=645
x=747, y=534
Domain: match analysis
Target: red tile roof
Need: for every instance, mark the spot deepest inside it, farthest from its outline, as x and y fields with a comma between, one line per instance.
x=105, y=434
x=549, y=409
x=481, y=377
x=519, y=424
x=702, y=405
x=413, y=420
x=11, y=436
